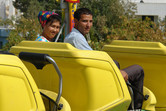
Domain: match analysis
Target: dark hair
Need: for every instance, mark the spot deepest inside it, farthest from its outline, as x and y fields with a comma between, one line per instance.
x=79, y=12
x=53, y=18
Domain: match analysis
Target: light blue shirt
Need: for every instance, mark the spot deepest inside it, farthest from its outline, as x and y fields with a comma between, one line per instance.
x=76, y=39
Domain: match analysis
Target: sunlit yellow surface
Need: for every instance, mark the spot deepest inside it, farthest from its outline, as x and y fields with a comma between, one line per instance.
x=18, y=91
x=151, y=102
x=151, y=56
x=53, y=96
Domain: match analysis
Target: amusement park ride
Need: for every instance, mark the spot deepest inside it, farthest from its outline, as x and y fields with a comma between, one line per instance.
x=55, y=76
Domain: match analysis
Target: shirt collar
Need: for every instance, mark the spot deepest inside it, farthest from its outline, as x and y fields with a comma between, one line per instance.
x=77, y=31
x=45, y=38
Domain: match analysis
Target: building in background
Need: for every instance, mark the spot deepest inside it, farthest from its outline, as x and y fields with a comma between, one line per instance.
x=7, y=10
x=154, y=9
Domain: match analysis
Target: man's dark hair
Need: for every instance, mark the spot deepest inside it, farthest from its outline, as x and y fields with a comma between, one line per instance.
x=53, y=18
x=80, y=11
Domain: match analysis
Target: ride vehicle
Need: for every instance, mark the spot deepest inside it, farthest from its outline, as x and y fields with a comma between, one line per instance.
x=91, y=80
x=19, y=91
x=151, y=56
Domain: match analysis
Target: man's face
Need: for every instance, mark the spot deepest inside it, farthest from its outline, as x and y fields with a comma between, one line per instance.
x=84, y=24
x=50, y=30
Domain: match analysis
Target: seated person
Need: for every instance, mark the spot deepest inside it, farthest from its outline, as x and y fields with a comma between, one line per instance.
x=50, y=23
x=83, y=23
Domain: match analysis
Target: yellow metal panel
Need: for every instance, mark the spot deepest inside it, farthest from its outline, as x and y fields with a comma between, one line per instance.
x=151, y=56
x=151, y=102
x=91, y=80
x=160, y=109
x=53, y=96
x=16, y=92
x=137, y=47
x=57, y=49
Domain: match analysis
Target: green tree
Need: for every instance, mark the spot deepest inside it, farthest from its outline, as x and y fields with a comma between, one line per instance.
x=27, y=26
x=105, y=15
x=33, y=9
x=23, y=5
x=137, y=30
x=113, y=19
x=24, y=29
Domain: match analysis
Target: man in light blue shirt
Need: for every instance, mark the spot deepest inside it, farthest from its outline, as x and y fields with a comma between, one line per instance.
x=76, y=39
x=83, y=23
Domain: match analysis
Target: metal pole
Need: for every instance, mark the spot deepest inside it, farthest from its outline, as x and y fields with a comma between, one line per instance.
x=60, y=32
x=60, y=77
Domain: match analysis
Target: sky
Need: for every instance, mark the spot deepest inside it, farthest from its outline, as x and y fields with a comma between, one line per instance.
x=151, y=1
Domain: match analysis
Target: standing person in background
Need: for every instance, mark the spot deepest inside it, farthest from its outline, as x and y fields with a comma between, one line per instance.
x=50, y=23
x=83, y=22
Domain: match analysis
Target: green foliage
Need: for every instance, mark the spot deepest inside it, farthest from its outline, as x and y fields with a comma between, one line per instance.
x=13, y=39
x=133, y=29
x=22, y=5
x=29, y=7
x=112, y=19
x=106, y=13
x=27, y=26
x=7, y=22
x=24, y=29
x=33, y=9
x=138, y=30
x=50, y=5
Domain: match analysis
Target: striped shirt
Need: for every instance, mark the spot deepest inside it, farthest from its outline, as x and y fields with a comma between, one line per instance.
x=42, y=39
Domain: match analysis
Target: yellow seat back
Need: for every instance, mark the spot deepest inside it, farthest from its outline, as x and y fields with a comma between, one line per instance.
x=18, y=91
x=91, y=80
x=151, y=56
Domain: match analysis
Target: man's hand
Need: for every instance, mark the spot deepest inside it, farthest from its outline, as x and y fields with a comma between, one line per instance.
x=124, y=74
